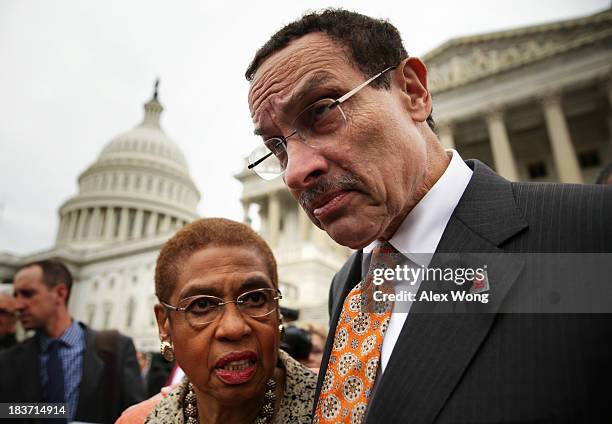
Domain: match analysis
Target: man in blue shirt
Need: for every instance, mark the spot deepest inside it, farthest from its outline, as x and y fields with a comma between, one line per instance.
x=64, y=361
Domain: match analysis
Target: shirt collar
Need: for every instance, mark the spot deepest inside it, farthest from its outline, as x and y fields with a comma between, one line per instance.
x=69, y=338
x=419, y=234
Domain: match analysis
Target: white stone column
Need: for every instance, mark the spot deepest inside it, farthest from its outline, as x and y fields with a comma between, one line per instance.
x=81, y=224
x=304, y=224
x=165, y=226
x=94, y=231
x=564, y=154
x=72, y=218
x=137, y=230
x=320, y=237
x=245, y=211
x=273, y=218
x=445, y=134
x=109, y=225
x=62, y=228
x=131, y=182
x=500, y=145
x=152, y=225
x=123, y=223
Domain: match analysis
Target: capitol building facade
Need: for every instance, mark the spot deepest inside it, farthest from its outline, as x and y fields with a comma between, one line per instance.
x=533, y=103
x=130, y=201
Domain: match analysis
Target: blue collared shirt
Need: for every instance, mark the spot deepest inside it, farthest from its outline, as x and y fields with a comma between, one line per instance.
x=72, y=346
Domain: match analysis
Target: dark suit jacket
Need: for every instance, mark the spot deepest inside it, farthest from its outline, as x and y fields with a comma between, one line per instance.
x=500, y=367
x=20, y=379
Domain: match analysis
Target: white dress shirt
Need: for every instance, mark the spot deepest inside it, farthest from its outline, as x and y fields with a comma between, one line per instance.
x=419, y=233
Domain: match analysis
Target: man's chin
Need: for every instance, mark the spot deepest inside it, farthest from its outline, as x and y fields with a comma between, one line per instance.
x=350, y=233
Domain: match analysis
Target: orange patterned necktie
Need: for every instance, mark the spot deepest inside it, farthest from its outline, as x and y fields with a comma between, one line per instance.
x=355, y=356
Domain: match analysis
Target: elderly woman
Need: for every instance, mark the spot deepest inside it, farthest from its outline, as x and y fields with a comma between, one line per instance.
x=218, y=315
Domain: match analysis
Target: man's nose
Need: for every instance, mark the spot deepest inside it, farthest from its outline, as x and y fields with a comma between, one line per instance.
x=305, y=164
x=19, y=304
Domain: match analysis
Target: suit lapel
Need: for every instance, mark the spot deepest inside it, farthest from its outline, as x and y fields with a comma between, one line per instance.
x=30, y=355
x=92, y=372
x=438, y=341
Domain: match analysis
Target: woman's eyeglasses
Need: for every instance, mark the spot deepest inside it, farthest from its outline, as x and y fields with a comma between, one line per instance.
x=204, y=309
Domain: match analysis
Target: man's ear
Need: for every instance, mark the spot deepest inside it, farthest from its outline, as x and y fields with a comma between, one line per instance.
x=163, y=324
x=412, y=78
x=62, y=292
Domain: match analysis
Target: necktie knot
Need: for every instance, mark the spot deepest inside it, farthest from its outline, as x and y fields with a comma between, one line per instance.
x=54, y=345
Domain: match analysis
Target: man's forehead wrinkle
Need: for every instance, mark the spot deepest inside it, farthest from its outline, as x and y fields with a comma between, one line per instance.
x=277, y=95
x=265, y=119
x=269, y=78
x=267, y=93
x=312, y=82
x=291, y=64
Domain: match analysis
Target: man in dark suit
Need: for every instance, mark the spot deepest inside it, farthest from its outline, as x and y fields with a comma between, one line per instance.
x=95, y=374
x=7, y=321
x=345, y=116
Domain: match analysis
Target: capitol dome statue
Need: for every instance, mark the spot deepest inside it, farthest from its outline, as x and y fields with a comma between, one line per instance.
x=139, y=187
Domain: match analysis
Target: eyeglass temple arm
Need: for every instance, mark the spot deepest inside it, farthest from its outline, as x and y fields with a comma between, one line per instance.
x=258, y=161
x=173, y=308
x=359, y=87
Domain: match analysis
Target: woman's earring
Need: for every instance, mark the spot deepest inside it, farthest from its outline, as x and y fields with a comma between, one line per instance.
x=167, y=351
x=281, y=327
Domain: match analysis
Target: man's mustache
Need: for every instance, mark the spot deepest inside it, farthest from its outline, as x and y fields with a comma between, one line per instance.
x=347, y=181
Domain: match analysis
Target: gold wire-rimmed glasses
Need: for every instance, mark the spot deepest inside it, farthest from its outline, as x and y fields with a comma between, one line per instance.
x=315, y=125
x=203, y=309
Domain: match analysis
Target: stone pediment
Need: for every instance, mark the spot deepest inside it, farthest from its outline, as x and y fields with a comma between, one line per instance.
x=464, y=60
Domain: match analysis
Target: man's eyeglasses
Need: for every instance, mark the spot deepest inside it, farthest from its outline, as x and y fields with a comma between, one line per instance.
x=204, y=309
x=318, y=123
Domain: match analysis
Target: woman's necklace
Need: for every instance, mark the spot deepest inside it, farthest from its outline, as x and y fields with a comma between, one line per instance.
x=190, y=405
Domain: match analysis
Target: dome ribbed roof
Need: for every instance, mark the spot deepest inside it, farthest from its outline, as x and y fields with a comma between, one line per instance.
x=138, y=188
x=146, y=141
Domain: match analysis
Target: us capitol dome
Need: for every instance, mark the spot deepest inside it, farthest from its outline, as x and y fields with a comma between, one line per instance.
x=133, y=197
x=139, y=187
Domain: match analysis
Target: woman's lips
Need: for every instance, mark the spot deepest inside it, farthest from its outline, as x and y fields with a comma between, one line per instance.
x=330, y=205
x=236, y=367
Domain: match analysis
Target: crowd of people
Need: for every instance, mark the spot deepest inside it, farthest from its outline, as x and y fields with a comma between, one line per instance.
x=346, y=121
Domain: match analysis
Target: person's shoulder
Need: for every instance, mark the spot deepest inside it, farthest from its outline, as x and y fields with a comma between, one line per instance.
x=137, y=414
x=536, y=200
x=168, y=409
x=122, y=339
x=555, y=192
x=300, y=385
x=18, y=348
x=299, y=380
x=565, y=217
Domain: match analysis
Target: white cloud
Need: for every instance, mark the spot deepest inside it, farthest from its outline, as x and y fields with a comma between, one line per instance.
x=75, y=74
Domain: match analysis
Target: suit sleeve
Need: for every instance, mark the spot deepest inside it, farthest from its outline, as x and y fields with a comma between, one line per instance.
x=131, y=386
